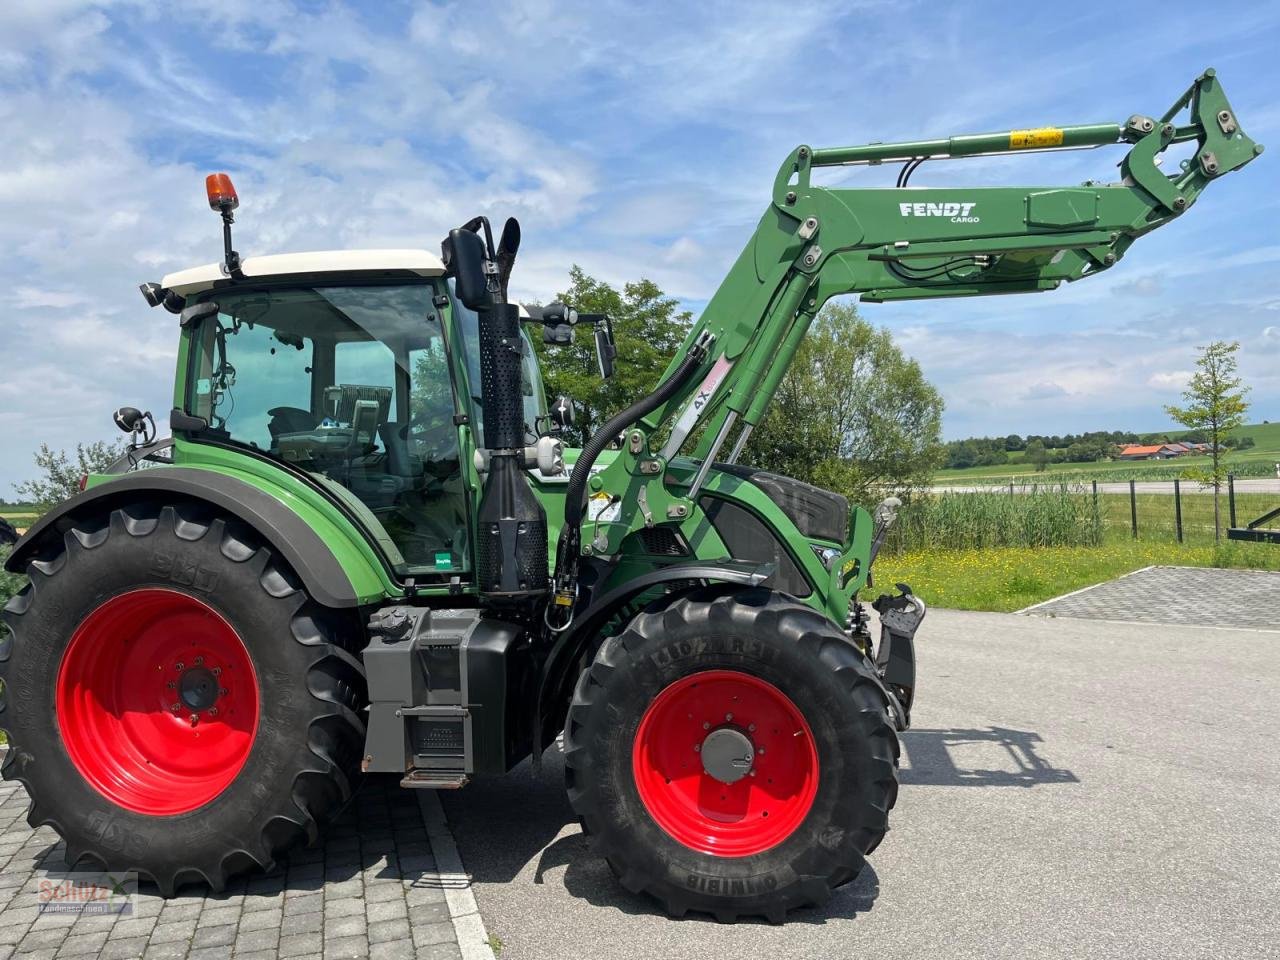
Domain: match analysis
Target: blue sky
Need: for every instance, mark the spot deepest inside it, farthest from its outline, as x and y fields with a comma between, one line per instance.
x=632, y=139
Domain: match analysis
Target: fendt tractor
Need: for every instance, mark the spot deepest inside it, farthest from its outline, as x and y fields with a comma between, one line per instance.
x=366, y=548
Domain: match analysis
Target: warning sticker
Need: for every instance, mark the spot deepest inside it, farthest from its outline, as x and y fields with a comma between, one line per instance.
x=1039, y=137
x=602, y=508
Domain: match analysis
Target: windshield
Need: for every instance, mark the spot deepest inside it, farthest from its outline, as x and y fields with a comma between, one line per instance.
x=350, y=383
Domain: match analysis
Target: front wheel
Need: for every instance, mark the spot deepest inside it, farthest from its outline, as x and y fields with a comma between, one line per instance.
x=731, y=753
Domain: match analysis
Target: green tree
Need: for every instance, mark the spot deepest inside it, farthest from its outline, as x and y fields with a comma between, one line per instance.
x=60, y=475
x=853, y=413
x=1038, y=455
x=648, y=326
x=1215, y=405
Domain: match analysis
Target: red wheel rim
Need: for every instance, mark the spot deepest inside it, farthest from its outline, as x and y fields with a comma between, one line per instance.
x=135, y=673
x=701, y=811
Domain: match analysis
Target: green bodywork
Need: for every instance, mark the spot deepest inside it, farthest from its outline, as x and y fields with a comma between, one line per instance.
x=812, y=243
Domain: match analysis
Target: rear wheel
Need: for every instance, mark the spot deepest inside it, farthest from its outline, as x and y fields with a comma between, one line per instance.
x=176, y=704
x=731, y=753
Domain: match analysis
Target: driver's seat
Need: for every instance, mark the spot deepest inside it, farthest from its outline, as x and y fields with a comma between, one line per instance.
x=399, y=463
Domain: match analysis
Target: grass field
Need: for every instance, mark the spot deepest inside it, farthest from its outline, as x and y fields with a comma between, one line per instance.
x=1010, y=578
x=1257, y=461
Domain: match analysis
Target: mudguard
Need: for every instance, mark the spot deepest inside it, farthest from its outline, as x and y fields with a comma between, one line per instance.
x=556, y=679
x=279, y=526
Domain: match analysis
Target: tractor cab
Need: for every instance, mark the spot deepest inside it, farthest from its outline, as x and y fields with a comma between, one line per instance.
x=359, y=368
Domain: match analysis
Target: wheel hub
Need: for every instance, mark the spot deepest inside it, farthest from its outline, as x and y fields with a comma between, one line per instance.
x=727, y=754
x=198, y=688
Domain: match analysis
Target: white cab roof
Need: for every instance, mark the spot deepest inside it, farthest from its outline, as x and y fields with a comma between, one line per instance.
x=195, y=279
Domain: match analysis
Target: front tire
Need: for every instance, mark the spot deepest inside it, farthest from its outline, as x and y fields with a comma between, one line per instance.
x=731, y=753
x=176, y=703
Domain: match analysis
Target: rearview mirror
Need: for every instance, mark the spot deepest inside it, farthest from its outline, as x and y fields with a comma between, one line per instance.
x=463, y=254
x=606, y=349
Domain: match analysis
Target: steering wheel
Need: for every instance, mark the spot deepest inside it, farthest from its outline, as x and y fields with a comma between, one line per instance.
x=435, y=436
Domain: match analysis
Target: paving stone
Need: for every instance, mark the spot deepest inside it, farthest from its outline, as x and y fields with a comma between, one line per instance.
x=347, y=907
x=346, y=948
x=173, y=950
x=440, y=951
x=1221, y=598
x=222, y=936
x=39, y=939
x=123, y=949
x=386, y=910
x=301, y=945
x=81, y=944
x=211, y=953
x=342, y=927
x=387, y=930
x=429, y=933
x=429, y=913
x=256, y=940
x=135, y=927
x=260, y=920
x=218, y=915
x=166, y=932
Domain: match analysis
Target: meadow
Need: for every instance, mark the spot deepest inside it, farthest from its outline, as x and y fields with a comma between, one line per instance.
x=1001, y=551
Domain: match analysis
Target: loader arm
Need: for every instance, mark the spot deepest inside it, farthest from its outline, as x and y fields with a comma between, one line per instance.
x=814, y=243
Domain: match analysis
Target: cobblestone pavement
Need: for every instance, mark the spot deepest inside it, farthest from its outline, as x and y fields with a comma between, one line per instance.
x=1195, y=595
x=370, y=890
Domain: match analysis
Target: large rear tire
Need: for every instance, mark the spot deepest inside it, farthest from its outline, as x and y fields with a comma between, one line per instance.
x=731, y=753
x=176, y=703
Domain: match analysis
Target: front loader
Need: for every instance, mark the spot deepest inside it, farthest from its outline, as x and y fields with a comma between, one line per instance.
x=365, y=550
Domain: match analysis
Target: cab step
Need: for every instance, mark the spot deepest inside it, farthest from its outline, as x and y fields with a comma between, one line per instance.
x=435, y=780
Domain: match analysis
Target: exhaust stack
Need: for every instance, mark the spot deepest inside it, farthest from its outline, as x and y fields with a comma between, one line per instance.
x=511, y=540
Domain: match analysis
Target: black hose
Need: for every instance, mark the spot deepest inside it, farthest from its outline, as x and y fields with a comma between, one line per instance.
x=575, y=494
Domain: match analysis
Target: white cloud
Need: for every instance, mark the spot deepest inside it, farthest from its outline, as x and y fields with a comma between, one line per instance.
x=1170, y=378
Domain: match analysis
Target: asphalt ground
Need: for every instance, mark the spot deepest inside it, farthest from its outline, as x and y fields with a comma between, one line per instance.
x=1071, y=788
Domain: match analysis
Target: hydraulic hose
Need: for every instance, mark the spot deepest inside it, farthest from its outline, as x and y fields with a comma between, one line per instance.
x=575, y=494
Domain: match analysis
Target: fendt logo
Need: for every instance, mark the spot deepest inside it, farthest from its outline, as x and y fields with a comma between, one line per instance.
x=955, y=212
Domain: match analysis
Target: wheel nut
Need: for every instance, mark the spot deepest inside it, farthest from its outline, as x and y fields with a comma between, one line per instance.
x=217, y=671
x=179, y=665
x=705, y=725
x=174, y=708
x=194, y=718
x=198, y=661
x=213, y=711
x=751, y=727
x=697, y=748
x=171, y=684
x=728, y=717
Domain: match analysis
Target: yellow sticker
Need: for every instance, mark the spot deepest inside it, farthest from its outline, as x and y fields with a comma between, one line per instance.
x=1039, y=137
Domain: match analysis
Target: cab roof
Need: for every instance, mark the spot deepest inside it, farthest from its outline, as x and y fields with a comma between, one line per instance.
x=197, y=279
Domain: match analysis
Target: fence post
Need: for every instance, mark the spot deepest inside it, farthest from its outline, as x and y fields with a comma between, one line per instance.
x=1231, y=497
x=1177, y=506
x=1133, y=507
x=1011, y=488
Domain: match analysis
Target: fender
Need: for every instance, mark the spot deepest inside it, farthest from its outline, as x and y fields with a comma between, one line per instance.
x=283, y=529
x=556, y=678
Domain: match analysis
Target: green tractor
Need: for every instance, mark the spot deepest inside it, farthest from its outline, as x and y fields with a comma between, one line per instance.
x=365, y=550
